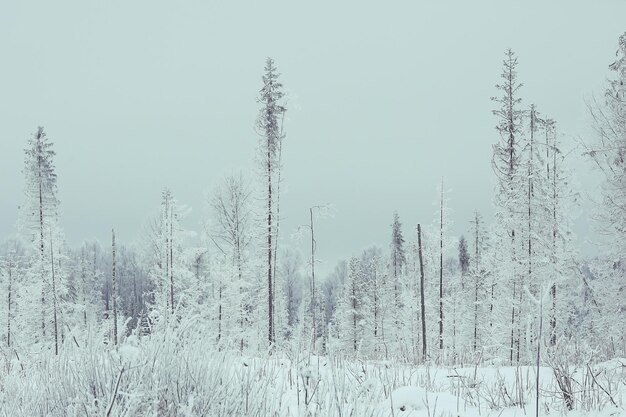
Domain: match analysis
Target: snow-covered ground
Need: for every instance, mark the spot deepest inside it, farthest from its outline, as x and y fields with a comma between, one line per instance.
x=165, y=377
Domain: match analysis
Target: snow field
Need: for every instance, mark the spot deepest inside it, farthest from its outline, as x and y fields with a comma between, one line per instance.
x=164, y=376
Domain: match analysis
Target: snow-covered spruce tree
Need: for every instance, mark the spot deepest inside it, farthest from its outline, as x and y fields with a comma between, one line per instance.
x=39, y=224
x=133, y=287
x=464, y=258
x=111, y=326
x=436, y=244
x=314, y=297
x=352, y=317
x=505, y=162
x=542, y=229
x=609, y=154
x=169, y=269
x=232, y=213
x=332, y=293
x=293, y=286
x=269, y=128
x=94, y=300
x=411, y=300
x=609, y=150
x=535, y=241
x=99, y=274
x=602, y=328
x=74, y=281
x=454, y=311
x=226, y=303
x=546, y=257
x=167, y=236
x=563, y=275
x=12, y=263
x=114, y=291
x=231, y=233
x=398, y=257
x=373, y=269
x=86, y=291
x=462, y=300
x=481, y=291
x=397, y=264
x=553, y=206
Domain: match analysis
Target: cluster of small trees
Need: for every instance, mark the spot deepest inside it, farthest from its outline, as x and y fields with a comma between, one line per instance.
x=605, y=285
x=56, y=294
x=532, y=233
x=514, y=285
x=517, y=284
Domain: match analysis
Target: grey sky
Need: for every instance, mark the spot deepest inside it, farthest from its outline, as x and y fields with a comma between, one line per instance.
x=385, y=98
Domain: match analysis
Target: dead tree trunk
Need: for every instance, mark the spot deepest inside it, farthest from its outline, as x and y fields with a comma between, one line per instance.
x=10, y=293
x=83, y=276
x=42, y=250
x=441, y=269
x=554, y=232
x=313, y=303
x=277, y=206
x=354, y=318
x=171, y=249
x=114, y=290
x=270, y=292
x=477, y=273
x=54, y=300
x=422, y=296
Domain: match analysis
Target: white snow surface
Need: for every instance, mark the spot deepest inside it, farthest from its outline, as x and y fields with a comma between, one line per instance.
x=187, y=380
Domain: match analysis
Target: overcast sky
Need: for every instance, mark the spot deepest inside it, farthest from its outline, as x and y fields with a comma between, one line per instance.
x=385, y=98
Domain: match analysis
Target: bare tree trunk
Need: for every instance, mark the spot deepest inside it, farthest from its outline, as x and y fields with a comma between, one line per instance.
x=491, y=305
x=554, y=230
x=354, y=330
x=239, y=261
x=114, y=290
x=54, y=300
x=513, y=324
x=171, y=250
x=276, y=228
x=313, y=303
x=514, y=297
x=270, y=292
x=10, y=293
x=135, y=309
x=167, y=293
x=422, y=295
x=94, y=261
x=441, y=269
x=553, y=316
x=530, y=282
x=476, y=278
x=454, y=327
x=83, y=276
x=475, y=317
x=41, y=247
x=376, y=310
x=219, y=312
x=518, y=341
x=396, y=288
